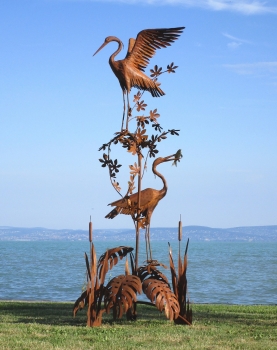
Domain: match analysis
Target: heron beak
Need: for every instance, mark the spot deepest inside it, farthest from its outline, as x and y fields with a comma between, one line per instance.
x=169, y=158
x=177, y=156
x=100, y=48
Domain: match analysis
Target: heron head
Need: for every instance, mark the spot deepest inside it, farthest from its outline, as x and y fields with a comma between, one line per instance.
x=173, y=157
x=107, y=41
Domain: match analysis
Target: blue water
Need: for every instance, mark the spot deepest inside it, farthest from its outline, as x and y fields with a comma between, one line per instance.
x=218, y=272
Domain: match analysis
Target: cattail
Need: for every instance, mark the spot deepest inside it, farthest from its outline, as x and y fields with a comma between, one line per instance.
x=90, y=231
x=180, y=230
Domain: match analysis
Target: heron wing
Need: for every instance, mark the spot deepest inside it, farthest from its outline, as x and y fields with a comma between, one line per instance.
x=148, y=41
x=147, y=195
x=130, y=46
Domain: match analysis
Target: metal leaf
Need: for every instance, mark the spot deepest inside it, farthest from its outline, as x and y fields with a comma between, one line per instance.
x=87, y=265
x=159, y=293
x=111, y=256
x=121, y=293
x=173, y=272
x=80, y=303
x=156, y=71
x=151, y=271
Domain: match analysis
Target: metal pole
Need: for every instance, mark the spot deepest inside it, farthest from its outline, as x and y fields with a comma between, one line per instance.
x=138, y=211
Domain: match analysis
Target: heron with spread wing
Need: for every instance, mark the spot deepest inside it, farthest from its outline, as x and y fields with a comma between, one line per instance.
x=129, y=71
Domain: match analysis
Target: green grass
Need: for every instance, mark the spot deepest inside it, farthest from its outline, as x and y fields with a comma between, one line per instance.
x=44, y=325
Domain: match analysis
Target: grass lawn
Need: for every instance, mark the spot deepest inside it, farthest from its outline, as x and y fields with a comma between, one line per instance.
x=45, y=325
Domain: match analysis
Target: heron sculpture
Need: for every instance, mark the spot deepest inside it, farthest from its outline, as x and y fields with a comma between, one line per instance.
x=129, y=71
x=149, y=199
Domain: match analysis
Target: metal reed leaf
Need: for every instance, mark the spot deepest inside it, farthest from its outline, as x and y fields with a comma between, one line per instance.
x=173, y=272
x=132, y=260
x=187, y=245
x=87, y=265
x=80, y=303
x=127, y=270
x=180, y=267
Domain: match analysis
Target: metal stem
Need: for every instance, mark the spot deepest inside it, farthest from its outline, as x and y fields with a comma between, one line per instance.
x=146, y=244
x=138, y=211
x=123, y=110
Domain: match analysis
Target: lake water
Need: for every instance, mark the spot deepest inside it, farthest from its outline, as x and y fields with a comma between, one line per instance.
x=218, y=272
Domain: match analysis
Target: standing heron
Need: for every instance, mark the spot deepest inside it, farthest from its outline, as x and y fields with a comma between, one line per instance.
x=149, y=199
x=129, y=71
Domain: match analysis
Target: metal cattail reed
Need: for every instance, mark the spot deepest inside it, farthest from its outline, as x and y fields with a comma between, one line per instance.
x=180, y=230
x=90, y=231
x=90, y=243
x=179, y=239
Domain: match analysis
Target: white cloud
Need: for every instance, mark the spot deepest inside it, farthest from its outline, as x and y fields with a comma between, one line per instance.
x=236, y=39
x=258, y=68
x=234, y=45
x=236, y=42
x=247, y=7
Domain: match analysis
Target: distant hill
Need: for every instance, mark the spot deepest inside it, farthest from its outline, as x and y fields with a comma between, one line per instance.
x=195, y=233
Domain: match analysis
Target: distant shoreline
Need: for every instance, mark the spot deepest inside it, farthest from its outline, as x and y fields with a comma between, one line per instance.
x=195, y=233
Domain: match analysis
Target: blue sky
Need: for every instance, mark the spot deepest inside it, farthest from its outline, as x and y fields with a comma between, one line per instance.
x=59, y=104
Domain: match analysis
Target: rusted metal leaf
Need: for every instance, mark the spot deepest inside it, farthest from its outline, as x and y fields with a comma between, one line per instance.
x=156, y=71
x=171, y=68
x=87, y=265
x=121, y=293
x=80, y=303
x=173, y=272
x=111, y=257
x=151, y=271
x=127, y=271
x=159, y=293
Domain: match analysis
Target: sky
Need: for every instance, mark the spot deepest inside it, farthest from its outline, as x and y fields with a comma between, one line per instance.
x=59, y=104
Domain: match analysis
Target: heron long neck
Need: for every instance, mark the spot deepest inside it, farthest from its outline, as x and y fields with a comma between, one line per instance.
x=155, y=171
x=120, y=46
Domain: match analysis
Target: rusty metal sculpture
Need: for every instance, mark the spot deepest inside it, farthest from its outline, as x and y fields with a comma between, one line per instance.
x=129, y=71
x=149, y=199
x=120, y=293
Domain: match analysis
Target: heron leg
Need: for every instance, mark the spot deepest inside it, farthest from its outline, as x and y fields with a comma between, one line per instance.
x=148, y=241
x=146, y=244
x=128, y=108
x=123, y=110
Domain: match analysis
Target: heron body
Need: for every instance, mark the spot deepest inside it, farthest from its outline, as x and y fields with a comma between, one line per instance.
x=129, y=76
x=148, y=201
x=130, y=70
